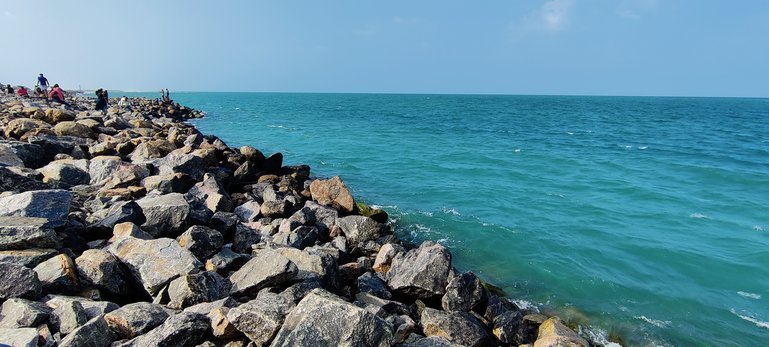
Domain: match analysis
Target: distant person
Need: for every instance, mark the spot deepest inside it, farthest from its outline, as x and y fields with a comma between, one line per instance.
x=39, y=92
x=101, y=100
x=9, y=90
x=57, y=95
x=42, y=82
x=166, y=97
x=22, y=92
x=124, y=103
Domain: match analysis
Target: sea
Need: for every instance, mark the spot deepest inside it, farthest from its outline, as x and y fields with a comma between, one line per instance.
x=643, y=220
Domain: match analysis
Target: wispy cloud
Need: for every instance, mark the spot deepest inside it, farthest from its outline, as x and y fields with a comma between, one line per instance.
x=554, y=14
x=636, y=9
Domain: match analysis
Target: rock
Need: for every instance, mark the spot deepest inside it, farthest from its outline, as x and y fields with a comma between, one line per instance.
x=117, y=213
x=70, y=128
x=260, y=319
x=421, y=272
x=248, y=212
x=18, y=127
x=135, y=319
x=64, y=172
x=154, y=263
x=53, y=145
x=301, y=237
x=372, y=284
x=378, y=215
x=333, y=192
x=128, y=229
x=14, y=153
x=95, y=332
x=463, y=293
x=185, y=329
x=224, y=222
x=24, y=337
x=379, y=306
x=324, y=319
x=246, y=173
x=189, y=164
x=458, y=327
x=101, y=268
x=190, y=290
x=54, y=115
x=360, y=229
x=18, y=232
x=68, y=317
x=111, y=172
x=166, y=214
x=252, y=154
x=432, y=341
x=508, y=328
x=215, y=196
x=267, y=268
x=226, y=261
x=58, y=274
x=273, y=163
x=13, y=182
x=244, y=238
x=20, y=313
x=201, y=241
x=274, y=209
x=552, y=333
x=151, y=149
x=531, y=323
x=52, y=205
x=311, y=263
x=385, y=257
x=26, y=257
x=175, y=183
x=92, y=308
x=496, y=306
x=217, y=313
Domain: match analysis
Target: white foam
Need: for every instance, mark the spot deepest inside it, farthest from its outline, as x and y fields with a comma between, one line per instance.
x=570, y=133
x=655, y=322
x=425, y=213
x=598, y=336
x=451, y=211
x=758, y=228
x=643, y=147
x=517, y=150
x=526, y=305
x=698, y=216
x=750, y=295
x=758, y=323
x=380, y=207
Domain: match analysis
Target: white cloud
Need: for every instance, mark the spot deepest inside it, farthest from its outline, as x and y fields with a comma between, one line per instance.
x=554, y=14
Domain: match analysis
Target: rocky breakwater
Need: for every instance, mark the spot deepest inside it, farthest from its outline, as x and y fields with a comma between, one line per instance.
x=131, y=228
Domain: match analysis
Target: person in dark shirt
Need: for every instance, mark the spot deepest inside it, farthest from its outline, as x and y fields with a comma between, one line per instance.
x=9, y=90
x=42, y=82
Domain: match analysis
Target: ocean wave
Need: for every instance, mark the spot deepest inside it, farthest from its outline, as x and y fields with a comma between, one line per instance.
x=598, y=336
x=447, y=210
x=526, y=305
x=517, y=150
x=698, y=216
x=758, y=228
x=655, y=322
x=750, y=295
x=381, y=207
x=757, y=322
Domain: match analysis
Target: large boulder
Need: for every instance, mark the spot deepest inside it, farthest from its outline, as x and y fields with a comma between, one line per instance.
x=27, y=257
x=95, y=332
x=249, y=211
x=359, y=229
x=14, y=182
x=202, y=241
x=112, y=172
x=20, y=313
x=333, y=192
x=52, y=205
x=175, y=183
x=324, y=319
x=211, y=191
x=463, y=293
x=27, y=154
x=119, y=212
x=101, y=269
x=67, y=317
x=22, y=337
x=421, y=272
x=18, y=232
x=267, y=268
x=55, y=115
x=154, y=263
x=313, y=263
x=165, y=214
x=185, y=329
x=260, y=319
x=135, y=319
x=553, y=333
x=193, y=289
x=58, y=274
x=18, y=127
x=92, y=308
x=19, y=282
x=151, y=149
x=67, y=172
x=458, y=327
x=189, y=164
x=70, y=128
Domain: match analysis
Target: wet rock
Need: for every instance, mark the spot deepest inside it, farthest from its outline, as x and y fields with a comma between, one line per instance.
x=376, y=214
x=102, y=269
x=201, y=241
x=185, y=329
x=95, y=332
x=135, y=319
x=260, y=319
x=52, y=205
x=27, y=257
x=463, y=293
x=166, y=214
x=154, y=263
x=68, y=316
x=70, y=128
x=225, y=261
x=248, y=212
x=553, y=333
x=372, y=284
x=20, y=313
x=324, y=319
x=333, y=192
x=421, y=272
x=458, y=327
x=190, y=290
x=174, y=183
x=360, y=229
x=18, y=232
x=23, y=337
x=267, y=268
x=58, y=274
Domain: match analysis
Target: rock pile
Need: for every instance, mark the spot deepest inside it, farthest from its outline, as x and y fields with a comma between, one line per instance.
x=131, y=228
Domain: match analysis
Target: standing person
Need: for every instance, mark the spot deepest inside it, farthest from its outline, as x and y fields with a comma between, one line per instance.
x=42, y=82
x=101, y=100
x=57, y=95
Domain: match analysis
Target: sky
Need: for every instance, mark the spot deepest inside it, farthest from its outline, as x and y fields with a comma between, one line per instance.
x=552, y=47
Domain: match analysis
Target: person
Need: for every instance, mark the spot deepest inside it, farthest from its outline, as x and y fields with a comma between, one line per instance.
x=9, y=90
x=22, y=92
x=124, y=103
x=39, y=92
x=166, y=97
x=57, y=95
x=101, y=100
x=42, y=82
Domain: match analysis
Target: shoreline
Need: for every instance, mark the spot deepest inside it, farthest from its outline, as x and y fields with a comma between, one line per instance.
x=138, y=192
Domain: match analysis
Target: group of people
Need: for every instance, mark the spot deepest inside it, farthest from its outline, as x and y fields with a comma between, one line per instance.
x=165, y=97
x=41, y=91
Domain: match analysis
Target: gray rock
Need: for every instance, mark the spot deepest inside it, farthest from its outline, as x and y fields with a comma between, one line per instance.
x=324, y=216
x=69, y=128
x=421, y=272
x=267, y=268
x=12, y=180
x=64, y=172
x=52, y=204
x=260, y=319
x=432, y=341
x=18, y=127
x=119, y=212
x=185, y=329
x=244, y=238
x=191, y=290
x=324, y=319
x=94, y=333
x=301, y=237
x=372, y=284
x=175, y=183
x=359, y=229
x=274, y=209
x=224, y=222
x=166, y=214
x=458, y=327
x=333, y=192
x=18, y=232
x=154, y=263
x=248, y=212
x=92, y=308
x=112, y=172
x=58, y=274
x=313, y=264
x=68, y=316
x=20, y=313
x=189, y=164
x=388, y=307
x=102, y=269
x=201, y=241
x=508, y=328
x=151, y=149
x=24, y=337
x=211, y=191
x=30, y=155
x=305, y=216
x=135, y=319
x=385, y=256
x=27, y=257
x=297, y=291
x=226, y=261
x=463, y=293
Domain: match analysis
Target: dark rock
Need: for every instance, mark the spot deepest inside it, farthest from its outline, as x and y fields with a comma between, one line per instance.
x=53, y=145
x=246, y=173
x=27, y=257
x=333, y=192
x=30, y=155
x=52, y=205
x=376, y=214
x=458, y=327
x=95, y=332
x=387, y=307
x=18, y=232
x=508, y=328
x=260, y=319
x=432, y=341
x=359, y=229
x=324, y=319
x=496, y=306
x=135, y=319
x=175, y=183
x=13, y=182
x=58, y=274
x=463, y=293
x=267, y=268
x=371, y=283
x=224, y=222
x=69, y=316
x=421, y=272
x=65, y=173
x=245, y=237
x=119, y=212
x=190, y=290
x=311, y=264
x=301, y=237
x=102, y=269
x=201, y=241
x=20, y=313
x=324, y=216
x=248, y=212
x=211, y=191
x=273, y=163
x=165, y=214
x=183, y=330
x=226, y=260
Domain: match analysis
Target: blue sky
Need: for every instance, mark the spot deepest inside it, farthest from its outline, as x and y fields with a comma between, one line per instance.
x=593, y=47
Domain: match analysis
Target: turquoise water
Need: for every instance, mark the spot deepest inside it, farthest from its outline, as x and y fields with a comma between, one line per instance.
x=641, y=215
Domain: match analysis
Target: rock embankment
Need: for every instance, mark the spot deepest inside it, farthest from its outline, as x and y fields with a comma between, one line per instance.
x=131, y=228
